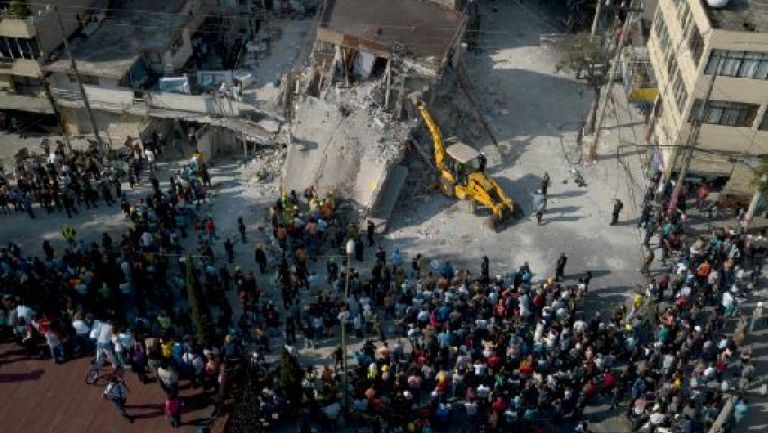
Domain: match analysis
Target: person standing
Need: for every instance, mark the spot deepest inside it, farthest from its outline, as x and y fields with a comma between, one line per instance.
x=173, y=409
x=645, y=215
x=371, y=231
x=117, y=393
x=28, y=205
x=68, y=233
x=261, y=258
x=617, y=207
x=545, y=183
x=229, y=247
x=241, y=229
x=539, y=205
x=650, y=256
x=560, y=268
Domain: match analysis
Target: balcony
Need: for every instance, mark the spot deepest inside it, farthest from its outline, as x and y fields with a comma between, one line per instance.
x=17, y=27
x=139, y=102
x=25, y=102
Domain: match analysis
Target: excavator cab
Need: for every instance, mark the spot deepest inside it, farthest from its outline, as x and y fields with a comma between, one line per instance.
x=464, y=159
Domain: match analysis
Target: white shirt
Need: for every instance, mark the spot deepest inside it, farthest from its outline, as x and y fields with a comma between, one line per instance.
x=25, y=312
x=81, y=328
x=105, y=334
x=471, y=407
x=95, y=330
x=146, y=239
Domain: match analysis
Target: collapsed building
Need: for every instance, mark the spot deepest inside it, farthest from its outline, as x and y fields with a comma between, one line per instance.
x=352, y=117
x=234, y=75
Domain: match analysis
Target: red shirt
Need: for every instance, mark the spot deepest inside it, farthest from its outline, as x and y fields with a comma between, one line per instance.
x=172, y=407
x=494, y=362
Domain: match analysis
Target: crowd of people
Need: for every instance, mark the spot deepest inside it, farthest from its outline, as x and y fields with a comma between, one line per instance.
x=436, y=347
x=60, y=180
x=126, y=302
x=475, y=349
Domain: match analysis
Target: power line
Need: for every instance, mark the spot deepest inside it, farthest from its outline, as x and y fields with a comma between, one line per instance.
x=234, y=17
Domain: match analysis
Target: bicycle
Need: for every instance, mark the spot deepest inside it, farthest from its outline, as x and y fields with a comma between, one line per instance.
x=94, y=372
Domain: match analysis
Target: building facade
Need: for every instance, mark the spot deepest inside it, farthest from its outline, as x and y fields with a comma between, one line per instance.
x=29, y=33
x=718, y=54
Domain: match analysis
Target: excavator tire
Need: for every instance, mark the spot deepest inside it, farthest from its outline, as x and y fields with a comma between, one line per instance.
x=490, y=223
x=447, y=188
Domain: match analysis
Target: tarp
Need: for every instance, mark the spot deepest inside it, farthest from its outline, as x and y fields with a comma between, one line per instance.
x=364, y=64
x=175, y=85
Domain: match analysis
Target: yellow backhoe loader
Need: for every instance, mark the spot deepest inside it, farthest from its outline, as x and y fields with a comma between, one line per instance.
x=462, y=174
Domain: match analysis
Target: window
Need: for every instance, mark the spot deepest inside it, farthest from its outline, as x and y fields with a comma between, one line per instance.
x=695, y=44
x=684, y=15
x=726, y=113
x=749, y=64
x=764, y=124
x=681, y=93
x=671, y=66
x=729, y=65
x=661, y=31
x=743, y=64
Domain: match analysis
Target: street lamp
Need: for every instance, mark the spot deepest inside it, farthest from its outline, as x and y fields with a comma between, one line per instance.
x=350, y=250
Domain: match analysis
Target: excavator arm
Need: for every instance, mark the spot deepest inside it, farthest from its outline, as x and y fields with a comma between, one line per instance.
x=437, y=138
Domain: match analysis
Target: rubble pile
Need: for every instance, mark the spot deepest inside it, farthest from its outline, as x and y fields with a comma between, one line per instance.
x=262, y=173
x=342, y=145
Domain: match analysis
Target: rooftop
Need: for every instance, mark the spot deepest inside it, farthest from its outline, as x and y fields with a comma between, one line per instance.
x=740, y=15
x=424, y=29
x=142, y=26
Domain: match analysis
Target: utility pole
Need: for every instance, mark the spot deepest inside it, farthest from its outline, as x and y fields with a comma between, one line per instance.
x=73, y=65
x=693, y=137
x=758, y=194
x=596, y=20
x=608, y=89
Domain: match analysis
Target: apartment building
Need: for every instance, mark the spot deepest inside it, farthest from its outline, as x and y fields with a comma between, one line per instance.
x=29, y=33
x=722, y=45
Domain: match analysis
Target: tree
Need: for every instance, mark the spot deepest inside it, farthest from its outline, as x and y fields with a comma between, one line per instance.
x=289, y=377
x=760, y=183
x=18, y=9
x=200, y=315
x=585, y=56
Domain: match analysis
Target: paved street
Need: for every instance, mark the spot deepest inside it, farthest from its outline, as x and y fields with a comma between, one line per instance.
x=38, y=396
x=534, y=113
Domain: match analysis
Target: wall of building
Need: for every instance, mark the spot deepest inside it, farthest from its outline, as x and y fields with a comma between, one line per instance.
x=48, y=32
x=672, y=126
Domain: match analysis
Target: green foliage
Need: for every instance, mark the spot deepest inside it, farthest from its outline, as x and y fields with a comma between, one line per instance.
x=580, y=53
x=289, y=377
x=18, y=9
x=200, y=316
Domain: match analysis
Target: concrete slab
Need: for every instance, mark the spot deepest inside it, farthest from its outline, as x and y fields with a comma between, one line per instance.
x=344, y=153
x=387, y=199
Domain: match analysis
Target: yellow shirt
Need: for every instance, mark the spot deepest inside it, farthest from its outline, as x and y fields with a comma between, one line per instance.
x=167, y=349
